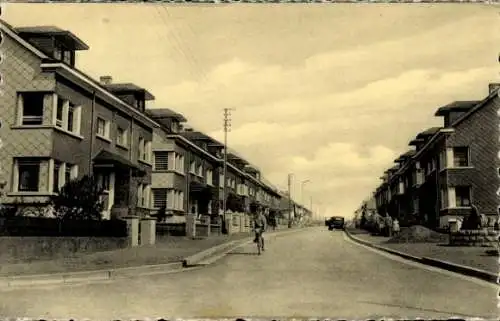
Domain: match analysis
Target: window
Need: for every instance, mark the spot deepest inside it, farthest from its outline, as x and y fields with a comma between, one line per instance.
x=209, y=177
x=71, y=118
x=141, y=195
x=60, y=112
x=174, y=127
x=182, y=158
x=140, y=151
x=442, y=159
x=29, y=175
x=139, y=103
x=192, y=167
x=58, y=53
x=67, y=57
x=102, y=128
x=159, y=197
x=67, y=174
x=103, y=181
x=460, y=156
x=462, y=196
x=200, y=170
x=161, y=161
x=121, y=137
x=147, y=152
x=30, y=105
x=55, y=183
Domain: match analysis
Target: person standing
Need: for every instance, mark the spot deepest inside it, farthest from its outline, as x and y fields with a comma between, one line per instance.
x=395, y=227
x=388, y=225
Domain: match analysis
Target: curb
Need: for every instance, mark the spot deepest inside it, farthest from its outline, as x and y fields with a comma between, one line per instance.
x=86, y=276
x=444, y=265
x=12, y=282
x=462, y=269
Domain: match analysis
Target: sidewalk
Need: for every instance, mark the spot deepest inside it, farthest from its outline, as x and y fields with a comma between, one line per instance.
x=168, y=250
x=474, y=257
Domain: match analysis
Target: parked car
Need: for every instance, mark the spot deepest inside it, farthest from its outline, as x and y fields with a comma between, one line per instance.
x=335, y=222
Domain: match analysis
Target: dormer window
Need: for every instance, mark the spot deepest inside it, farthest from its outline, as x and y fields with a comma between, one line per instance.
x=174, y=127
x=140, y=104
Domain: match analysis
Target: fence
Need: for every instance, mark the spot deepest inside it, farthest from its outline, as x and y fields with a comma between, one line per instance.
x=41, y=226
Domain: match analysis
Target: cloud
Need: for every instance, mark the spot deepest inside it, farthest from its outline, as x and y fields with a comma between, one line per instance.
x=343, y=157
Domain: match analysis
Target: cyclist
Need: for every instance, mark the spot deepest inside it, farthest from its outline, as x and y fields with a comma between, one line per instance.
x=260, y=225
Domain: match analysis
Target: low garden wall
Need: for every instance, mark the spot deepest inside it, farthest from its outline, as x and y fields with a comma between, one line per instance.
x=32, y=248
x=485, y=237
x=203, y=229
x=170, y=229
x=25, y=238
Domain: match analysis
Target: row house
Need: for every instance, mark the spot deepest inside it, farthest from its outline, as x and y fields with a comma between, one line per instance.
x=60, y=124
x=183, y=171
x=452, y=167
x=188, y=172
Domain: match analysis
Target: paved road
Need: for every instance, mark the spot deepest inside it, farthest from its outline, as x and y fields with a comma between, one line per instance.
x=316, y=273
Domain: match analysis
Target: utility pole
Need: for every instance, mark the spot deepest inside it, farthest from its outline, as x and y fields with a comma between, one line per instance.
x=227, y=128
x=290, y=200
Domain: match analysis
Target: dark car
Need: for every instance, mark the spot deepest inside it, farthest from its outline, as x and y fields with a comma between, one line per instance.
x=335, y=222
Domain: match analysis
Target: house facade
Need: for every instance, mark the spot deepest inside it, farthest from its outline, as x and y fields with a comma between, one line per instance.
x=451, y=169
x=59, y=124
x=183, y=171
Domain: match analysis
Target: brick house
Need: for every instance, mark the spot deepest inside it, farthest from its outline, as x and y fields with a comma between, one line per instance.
x=452, y=168
x=183, y=171
x=59, y=124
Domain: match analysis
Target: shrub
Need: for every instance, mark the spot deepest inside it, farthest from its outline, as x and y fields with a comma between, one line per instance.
x=79, y=199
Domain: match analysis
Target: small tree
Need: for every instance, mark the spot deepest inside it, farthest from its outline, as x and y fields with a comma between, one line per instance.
x=79, y=199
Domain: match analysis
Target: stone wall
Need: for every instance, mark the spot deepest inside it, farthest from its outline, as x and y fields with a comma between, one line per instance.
x=486, y=237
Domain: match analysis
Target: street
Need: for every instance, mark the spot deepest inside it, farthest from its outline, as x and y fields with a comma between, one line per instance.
x=312, y=273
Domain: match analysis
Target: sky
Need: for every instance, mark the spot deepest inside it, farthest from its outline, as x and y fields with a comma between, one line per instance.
x=330, y=93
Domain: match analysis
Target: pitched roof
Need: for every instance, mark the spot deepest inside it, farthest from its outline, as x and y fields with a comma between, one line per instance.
x=416, y=141
x=128, y=87
x=476, y=108
x=462, y=106
x=162, y=113
x=237, y=158
x=197, y=135
x=428, y=132
x=65, y=35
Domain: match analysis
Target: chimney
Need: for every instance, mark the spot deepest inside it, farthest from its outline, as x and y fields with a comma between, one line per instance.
x=494, y=87
x=106, y=80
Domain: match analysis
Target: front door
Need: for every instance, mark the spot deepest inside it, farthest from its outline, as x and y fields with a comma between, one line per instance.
x=106, y=180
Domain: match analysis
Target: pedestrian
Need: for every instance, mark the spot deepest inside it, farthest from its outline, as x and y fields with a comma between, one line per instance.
x=388, y=225
x=395, y=227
